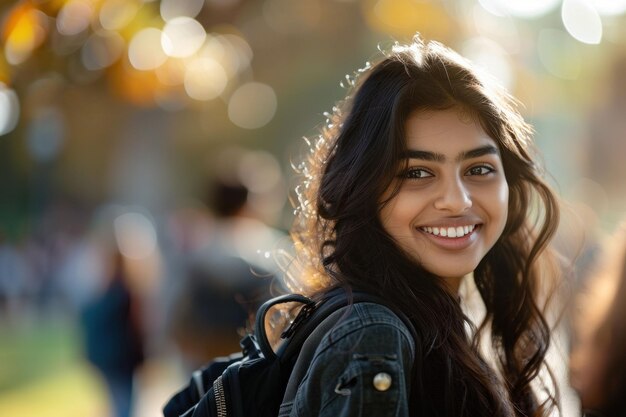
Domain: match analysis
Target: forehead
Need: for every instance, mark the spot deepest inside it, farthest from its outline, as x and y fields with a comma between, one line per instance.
x=444, y=131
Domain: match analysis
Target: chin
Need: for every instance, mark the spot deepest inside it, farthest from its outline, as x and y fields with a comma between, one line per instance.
x=451, y=273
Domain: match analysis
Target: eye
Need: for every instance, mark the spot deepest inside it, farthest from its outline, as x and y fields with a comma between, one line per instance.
x=480, y=170
x=416, y=173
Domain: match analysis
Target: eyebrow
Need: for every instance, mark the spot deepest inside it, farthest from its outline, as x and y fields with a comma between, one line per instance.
x=438, y=157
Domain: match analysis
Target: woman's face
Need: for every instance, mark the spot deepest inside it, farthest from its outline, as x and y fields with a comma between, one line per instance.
x=453, y=200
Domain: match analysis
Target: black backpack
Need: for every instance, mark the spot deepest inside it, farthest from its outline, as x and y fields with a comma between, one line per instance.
x=254, y=382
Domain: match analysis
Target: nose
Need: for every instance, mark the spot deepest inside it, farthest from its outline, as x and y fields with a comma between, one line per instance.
x=453, y=196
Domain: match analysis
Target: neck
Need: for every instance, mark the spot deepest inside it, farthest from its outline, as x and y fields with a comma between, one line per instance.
x=453, y=284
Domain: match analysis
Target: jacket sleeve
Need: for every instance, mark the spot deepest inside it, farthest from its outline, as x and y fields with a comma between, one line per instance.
x=358, y=370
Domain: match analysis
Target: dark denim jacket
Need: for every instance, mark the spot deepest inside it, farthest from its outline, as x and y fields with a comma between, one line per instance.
x=360, y=368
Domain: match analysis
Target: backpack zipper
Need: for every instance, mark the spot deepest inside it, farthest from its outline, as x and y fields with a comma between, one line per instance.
x=220, y=401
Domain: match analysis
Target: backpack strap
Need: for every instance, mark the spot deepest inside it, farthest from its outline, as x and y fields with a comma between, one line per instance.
x=305, y=340
x=305, y=356
x=259, y=329
x=333, y=301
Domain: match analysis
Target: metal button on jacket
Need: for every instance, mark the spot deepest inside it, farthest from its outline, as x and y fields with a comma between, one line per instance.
x=382, y=381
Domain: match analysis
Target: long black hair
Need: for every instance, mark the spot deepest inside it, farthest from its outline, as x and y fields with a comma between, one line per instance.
x=340, y=240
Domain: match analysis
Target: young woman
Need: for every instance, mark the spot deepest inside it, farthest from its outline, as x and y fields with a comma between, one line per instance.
x=424, y=174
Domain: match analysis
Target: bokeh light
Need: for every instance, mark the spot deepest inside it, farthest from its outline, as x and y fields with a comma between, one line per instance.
x=205, y=79
x=74, y=17
x=25, y=29
x=171, y=9
x=503, y=28
x=559, y=54
x=237, y=53
x=214, y=48
x=9, y=109
x=582, y=21
x=116, y=14
x=491, y=57
x=182, y=37
x=135, y=235
x=145, y=51
x=609, y=7
x=524, y=9
x=252, y=105
x=493, y=7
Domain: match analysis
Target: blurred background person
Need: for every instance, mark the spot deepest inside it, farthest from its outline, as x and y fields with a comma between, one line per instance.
x=598, y=356
x=227, y=272
x=14, y=276
x=240, y=197
x=113, y=334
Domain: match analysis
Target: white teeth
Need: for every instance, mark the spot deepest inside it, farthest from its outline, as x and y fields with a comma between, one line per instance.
x=451, y=232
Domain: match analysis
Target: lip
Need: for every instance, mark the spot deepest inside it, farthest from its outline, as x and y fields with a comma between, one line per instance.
x=453, y=222
x=453, y=243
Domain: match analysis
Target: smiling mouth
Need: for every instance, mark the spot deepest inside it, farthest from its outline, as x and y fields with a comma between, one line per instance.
x=450, y=232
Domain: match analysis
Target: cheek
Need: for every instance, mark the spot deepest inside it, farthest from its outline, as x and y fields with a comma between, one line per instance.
x=397, y=214
x=389, y=216
x=497, y=203
x=503, y=200
x=494, y=200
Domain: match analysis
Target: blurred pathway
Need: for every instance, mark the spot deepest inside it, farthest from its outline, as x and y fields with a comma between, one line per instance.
x=77, y=391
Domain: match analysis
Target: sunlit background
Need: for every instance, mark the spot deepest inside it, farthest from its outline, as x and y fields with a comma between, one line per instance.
x=114, y=115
